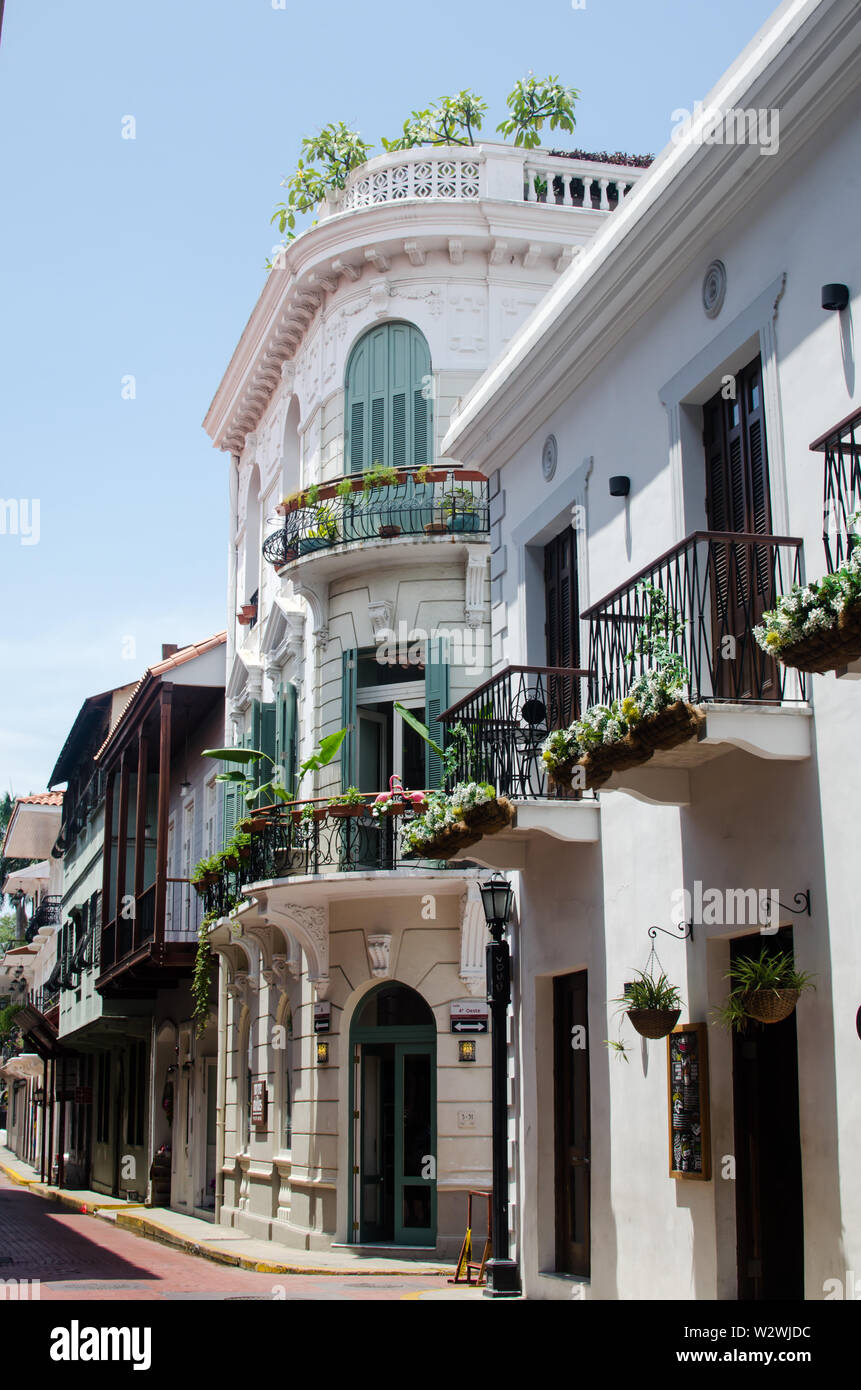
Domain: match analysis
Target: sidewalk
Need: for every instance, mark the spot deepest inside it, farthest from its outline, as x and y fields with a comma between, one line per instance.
x=222, y=1244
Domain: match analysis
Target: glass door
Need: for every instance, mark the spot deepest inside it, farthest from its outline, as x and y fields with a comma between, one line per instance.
x=397, y=1144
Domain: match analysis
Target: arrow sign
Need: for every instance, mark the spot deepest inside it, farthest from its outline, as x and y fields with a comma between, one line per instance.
x=475, y=1025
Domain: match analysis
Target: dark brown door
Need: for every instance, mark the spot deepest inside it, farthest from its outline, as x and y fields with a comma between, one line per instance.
x=738, y=500
x=768, y=1191
x=571, y=1104
x=562, y=626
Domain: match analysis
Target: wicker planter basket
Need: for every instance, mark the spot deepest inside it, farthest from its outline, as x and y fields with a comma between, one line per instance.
x=562, y=775
x=490, y=817
x=602, y=762
x=829, y=649
x=654, y=1023
x=448, y=842
x=672, y=726
x=770, y=1005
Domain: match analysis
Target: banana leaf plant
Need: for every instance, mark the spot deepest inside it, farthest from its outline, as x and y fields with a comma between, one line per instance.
x=327, y=749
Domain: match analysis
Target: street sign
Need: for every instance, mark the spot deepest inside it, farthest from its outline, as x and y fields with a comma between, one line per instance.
x=468, y=1016
x=322, y=1017
x=258, y=1102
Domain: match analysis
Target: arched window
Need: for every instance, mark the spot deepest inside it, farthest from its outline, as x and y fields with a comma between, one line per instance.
x=387, y=416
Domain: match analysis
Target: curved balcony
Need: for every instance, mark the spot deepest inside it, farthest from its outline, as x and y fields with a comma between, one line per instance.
x=447, y=504
x=328, y=843
x=486, y=170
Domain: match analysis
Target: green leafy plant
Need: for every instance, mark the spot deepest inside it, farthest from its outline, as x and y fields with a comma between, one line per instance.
x=344, y=489
x=202, y=975
x=325, y=524
x=380, y=475
x=618, y=1049
x=458, y=499
x=774, y=972
x=450, y=121
x=209, y=865
x=351, y=797
x=424, y=474
x=646, y=992
x=330, y=156
x=327, y=749
x=534, y=100
x=811, y=608
x=311, y=495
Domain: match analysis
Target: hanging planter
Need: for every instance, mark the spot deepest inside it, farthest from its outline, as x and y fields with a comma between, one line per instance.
x=830, y=648
x=652, y=1005
x=766, y=989
x=489, y=817
x=445, y=843
x=817, y=627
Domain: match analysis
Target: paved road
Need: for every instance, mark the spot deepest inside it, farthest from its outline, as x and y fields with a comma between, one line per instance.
x=80, y=1257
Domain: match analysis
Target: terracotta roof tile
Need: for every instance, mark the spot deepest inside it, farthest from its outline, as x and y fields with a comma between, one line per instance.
x=41, y=799
x=178, y=659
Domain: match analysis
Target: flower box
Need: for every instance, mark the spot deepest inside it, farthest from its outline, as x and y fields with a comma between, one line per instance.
x=668, y=728
x=318, y=814
x=829, y=648
x=345, y=811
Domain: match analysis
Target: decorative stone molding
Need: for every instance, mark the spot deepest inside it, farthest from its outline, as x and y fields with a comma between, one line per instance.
x=380, y=293
x=476, y=569
x=379, y=954
x=309, y=927
x=473, y=942
x=455, y=250
x=714, y=289
x=532, y=255
x=288, y=372
x=431, y=297
x=377, y=259
x=321, y=638
x=381, y=616
x=342, y=267
x=499, y=254
x=416, y=252
x=244, y=983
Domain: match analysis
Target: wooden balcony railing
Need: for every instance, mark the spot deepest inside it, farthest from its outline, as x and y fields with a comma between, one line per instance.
x=841, y=487
x=506, y=721
x=449, y=502
x=716, y=585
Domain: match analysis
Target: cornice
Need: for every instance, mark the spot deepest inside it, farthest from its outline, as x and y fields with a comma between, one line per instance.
x=804, y=62
x=360, y=245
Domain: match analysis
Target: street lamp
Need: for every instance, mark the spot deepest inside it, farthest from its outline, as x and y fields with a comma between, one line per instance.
x=497, y=896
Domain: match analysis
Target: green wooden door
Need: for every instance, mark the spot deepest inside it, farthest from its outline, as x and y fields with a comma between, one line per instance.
x=397, y=1143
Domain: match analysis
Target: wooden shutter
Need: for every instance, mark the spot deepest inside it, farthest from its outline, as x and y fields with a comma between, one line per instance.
x=562, y=607
x=387, y=417
x=436, y=700
x=267, y=743
x=285, y=732
x=349, y=718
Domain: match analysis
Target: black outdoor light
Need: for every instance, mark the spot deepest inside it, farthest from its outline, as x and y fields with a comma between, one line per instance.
x=620, y=485
x=835, y=296
x=497, y=896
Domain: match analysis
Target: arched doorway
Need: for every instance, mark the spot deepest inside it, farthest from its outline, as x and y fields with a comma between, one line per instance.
x=393, y=1104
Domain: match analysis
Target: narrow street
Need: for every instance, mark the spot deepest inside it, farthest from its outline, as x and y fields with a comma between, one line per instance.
x=82, y=1258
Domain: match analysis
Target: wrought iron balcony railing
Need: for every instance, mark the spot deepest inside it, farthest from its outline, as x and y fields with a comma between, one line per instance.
x=841, y=487
x=330, y=843
x=717, y=585
x=49, y=913
x=506, y=721
x=448, y=502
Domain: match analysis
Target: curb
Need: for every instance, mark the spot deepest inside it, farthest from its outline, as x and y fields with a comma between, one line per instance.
x=145, y=1226
x=152, y=1230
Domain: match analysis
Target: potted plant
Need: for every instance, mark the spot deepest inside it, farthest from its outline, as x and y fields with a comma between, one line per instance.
x=459, y=505
x=247, y=614
x=652, y=1005
x=765, y=988
x=438, y=833
x=349, y=803
x=251, y=825
x=308, y=815
x=240, y=844
x=379, y=475
x=324, y=531
x=206, y=873
x=479, y=806
x=817, y=627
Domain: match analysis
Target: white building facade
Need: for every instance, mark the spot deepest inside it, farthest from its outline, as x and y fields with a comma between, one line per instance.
x=345, y=1112
x=653, y=423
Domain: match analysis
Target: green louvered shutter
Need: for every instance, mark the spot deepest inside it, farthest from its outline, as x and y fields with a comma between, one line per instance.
x=229, y=813
x=436, y=700
x=387, y=414
x=349, y=718
x=267, y=746
x=285, y=731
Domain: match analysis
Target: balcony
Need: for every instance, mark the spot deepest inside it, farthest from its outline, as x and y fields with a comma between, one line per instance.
x=485, y=171
x=717, y=585
x=139, y=954
x=506, y=721
x=841, y=490
x=49, y=913
x=448, y=504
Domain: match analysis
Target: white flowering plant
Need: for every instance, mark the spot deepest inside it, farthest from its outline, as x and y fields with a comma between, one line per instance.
x=811, y=608
x=468, y=794
x=420, y=832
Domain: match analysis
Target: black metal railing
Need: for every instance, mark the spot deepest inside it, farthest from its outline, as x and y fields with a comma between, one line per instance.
x=717, y=585
x=127, y=932
x=507, y=719
x=290, y=846
x=183, y=910
x=49, y=913
x=450, y=502
x=841, y=487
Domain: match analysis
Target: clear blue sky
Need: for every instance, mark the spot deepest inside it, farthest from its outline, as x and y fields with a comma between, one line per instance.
x=145, y=257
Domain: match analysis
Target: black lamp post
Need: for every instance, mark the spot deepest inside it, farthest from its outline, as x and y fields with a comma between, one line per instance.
x=503, y=1276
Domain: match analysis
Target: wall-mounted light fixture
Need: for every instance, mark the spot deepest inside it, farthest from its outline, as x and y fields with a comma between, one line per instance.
x=620, y=486
x=322, y=1053
x=835, y=296
x=466, y=1049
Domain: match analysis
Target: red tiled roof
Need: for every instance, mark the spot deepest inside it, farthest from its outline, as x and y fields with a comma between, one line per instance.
x=41, y=799
x=178, y=659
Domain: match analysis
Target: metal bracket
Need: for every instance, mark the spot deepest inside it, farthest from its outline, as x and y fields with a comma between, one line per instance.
x=686, y=929
x=803, y=904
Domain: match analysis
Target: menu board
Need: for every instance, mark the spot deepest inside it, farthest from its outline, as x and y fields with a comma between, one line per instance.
x=688, y=1090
